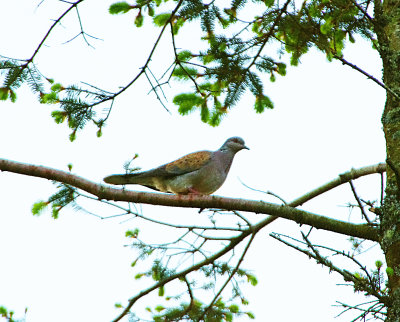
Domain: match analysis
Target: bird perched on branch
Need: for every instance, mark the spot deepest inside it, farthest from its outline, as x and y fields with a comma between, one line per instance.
x=201, y=172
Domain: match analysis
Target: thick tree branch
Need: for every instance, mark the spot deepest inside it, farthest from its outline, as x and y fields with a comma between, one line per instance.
x=341, y=179
x=193, y=201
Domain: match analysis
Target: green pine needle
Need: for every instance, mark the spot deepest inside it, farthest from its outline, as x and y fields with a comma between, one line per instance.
x=139, y=20
x=269, y=3
x=263, y=102
x=184, y=73
x=250, y=315
x=159, y=308
x=72, y=136
x=119, y=7
x=187, y=102
x=4, y=91
x=58, y=116
x=38, y=207
x=185, y=55
x=161, y=19
x=234, y=308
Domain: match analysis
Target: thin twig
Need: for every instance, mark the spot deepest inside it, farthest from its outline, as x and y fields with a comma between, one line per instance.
x=237, y=213
x=142, y=69
x=137, y=214
x=345, y=62
x=348, y=276
x=158, y=84
x=262, y=191
x=359, y=202
x=363, y=11
x=177, y=61
x=155, y=91
x=269, y=34
x=228, y=279
x=175, y=276
x=73, y=5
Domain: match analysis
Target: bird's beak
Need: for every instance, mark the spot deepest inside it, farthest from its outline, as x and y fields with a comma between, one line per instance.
x=245, y=147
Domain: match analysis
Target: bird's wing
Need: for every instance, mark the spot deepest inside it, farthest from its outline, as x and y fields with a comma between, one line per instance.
x=188, y=163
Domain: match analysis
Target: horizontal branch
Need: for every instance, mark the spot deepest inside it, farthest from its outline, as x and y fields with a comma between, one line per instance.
x=341, y=179
x=201, y=201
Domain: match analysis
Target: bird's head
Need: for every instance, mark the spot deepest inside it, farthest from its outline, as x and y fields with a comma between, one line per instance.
x=234, y=144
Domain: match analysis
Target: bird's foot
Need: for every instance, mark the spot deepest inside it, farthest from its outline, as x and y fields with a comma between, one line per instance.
x=193, y=191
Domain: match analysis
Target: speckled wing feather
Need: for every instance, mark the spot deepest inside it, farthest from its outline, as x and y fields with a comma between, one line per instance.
x=188, y=163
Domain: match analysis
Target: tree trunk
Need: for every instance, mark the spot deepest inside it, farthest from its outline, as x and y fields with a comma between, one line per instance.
x=387, y=28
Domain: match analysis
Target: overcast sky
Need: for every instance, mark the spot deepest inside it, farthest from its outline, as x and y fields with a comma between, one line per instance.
x=326, y=120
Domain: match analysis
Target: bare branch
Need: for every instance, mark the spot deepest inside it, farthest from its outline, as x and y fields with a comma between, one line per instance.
x=265, y=192
x=375, y=309
x=359, y=202
x=159, y=222
x=145, y=66
x=229, y=278
x=359, y=283
x=73, y=5
x=343, y=178
x=234, y=242
x=154, y=89
x=206, y=201
x=345, y=62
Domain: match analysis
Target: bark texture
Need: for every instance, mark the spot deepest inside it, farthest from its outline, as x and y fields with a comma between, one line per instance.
x=387, y=28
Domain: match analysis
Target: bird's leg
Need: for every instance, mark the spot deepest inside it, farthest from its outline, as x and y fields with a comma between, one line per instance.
x=193, y=191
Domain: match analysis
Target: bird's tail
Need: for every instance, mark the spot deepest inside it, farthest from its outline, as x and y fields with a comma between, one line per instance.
x=120, y=178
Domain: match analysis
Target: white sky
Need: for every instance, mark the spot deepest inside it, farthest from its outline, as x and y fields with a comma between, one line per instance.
x=326, y=120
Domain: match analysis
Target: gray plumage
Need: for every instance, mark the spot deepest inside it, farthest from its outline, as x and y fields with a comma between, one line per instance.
x=201, y=172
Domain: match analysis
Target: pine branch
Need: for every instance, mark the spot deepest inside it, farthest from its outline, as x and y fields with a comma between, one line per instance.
x=269, y=34
x=229, y=278
x=205, y=201
x=234, y=242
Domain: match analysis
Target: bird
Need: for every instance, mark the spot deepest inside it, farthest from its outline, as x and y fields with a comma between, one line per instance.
x=197, y=173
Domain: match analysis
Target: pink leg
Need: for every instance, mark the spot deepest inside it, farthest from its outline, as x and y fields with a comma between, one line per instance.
x=193, y=191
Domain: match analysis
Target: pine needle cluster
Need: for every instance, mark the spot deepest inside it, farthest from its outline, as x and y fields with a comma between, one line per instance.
x=236, y=58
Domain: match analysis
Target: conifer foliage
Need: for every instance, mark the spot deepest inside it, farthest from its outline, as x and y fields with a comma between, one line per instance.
x=236, y=58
